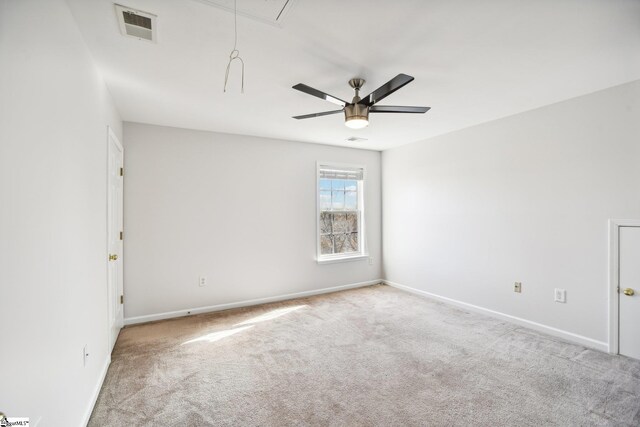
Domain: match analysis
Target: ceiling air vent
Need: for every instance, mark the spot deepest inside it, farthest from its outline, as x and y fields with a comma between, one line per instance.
x=136, y=23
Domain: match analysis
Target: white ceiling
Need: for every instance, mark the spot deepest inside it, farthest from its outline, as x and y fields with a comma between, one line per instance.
x=473, y=61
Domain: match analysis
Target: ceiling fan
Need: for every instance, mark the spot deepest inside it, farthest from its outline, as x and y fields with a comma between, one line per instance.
x=356, y=112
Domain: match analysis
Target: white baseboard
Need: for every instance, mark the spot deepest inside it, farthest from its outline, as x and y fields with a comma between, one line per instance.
x=569, y=336
x=96, y=391
x=245, y=303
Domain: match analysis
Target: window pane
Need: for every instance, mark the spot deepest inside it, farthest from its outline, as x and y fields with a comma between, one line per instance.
x=339, y=210
x=326, y=245
x=325, y=222
x=339, y=241
x=352, y=242
x=337, y=200
x=325, y=184
x=351, y=200
x=352, y=222
x=340, y=224
x=325, y=200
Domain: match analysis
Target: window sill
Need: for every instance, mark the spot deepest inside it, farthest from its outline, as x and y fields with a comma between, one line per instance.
x=342, y=259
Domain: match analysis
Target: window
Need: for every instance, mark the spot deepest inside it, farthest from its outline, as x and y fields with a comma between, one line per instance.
x=340, y=212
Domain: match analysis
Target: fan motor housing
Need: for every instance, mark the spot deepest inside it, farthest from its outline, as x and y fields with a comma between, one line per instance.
x=356, y=111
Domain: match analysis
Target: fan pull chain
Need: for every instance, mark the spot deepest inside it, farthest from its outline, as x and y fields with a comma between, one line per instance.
x=235, y=53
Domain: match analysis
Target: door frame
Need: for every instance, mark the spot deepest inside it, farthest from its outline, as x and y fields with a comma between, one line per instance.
x=614, y=279
x=111, y=136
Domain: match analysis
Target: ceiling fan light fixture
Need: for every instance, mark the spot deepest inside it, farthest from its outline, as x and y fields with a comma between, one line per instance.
x=356, y=123
x=356, y=116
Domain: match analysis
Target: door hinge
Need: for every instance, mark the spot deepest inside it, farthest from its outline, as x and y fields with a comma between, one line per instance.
x=121, y=171
x=121, y=234
x=121, y=299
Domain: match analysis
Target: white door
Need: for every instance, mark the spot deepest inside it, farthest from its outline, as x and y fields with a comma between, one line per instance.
x=629, y=295
x=115, y=236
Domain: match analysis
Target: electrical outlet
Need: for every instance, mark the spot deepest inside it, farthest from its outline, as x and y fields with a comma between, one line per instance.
x=370, y=260
x=560, y=295
x=517, y=287
x=85, y=355
x=202, y=281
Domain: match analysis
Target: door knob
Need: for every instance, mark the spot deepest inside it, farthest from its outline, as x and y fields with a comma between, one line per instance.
x=113, y=257
x=628, y=292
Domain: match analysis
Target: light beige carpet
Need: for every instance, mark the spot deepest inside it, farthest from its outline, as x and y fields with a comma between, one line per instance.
x=374, y=356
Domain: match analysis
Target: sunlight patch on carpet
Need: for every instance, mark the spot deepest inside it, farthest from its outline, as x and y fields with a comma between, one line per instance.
x=217, y=336
x=273, y=314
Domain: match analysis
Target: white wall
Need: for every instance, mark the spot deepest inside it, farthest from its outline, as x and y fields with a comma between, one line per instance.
x=239, y=210
x=525, y=198
x=54, y=112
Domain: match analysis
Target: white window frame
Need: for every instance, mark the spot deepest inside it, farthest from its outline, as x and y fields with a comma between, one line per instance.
x=362, y=241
